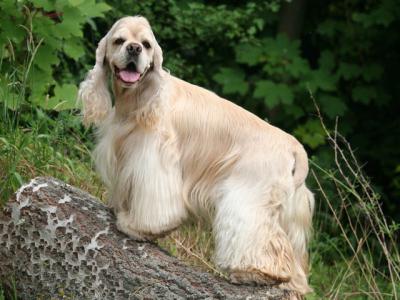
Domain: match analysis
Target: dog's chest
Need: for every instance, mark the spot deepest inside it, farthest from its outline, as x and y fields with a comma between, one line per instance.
x=138, y=151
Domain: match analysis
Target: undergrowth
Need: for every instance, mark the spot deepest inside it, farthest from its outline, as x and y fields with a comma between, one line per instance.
x=38, y=143
x=44, y=147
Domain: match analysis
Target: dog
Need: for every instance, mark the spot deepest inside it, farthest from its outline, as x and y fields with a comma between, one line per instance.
x=168, y=149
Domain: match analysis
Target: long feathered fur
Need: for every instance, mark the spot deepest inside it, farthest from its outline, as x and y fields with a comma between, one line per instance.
x=168, y=148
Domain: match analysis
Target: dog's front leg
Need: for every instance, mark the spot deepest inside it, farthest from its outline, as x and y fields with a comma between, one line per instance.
x=147, y=193
x=125, y=224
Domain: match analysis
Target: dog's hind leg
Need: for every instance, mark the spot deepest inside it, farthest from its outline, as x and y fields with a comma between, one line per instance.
x=250, y=242
x=296, y=219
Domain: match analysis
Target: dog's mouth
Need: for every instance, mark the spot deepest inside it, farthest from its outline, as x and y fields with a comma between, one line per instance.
x=128, y=75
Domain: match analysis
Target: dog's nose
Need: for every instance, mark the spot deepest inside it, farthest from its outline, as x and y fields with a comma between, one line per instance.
x=134, y=49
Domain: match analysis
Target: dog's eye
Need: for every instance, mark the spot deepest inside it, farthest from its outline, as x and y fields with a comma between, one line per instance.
x=119, y=41
x=146, y=44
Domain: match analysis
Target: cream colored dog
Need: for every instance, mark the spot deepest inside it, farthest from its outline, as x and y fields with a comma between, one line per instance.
x=168, y=148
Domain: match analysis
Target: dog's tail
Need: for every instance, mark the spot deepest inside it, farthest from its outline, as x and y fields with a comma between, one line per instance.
x=300, y=209
x=296, y=220
x=297, y=223
x=300, y=169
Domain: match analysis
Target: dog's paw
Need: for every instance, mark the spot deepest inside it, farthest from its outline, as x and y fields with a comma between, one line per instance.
x=293, y=295
x=133, y=234
x=140, y=238
x=255, y=277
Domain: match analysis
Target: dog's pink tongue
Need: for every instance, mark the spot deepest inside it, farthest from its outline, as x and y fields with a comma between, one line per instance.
x=129, y=76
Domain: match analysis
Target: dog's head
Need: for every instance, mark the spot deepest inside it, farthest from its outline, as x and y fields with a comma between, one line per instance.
x=131, y=53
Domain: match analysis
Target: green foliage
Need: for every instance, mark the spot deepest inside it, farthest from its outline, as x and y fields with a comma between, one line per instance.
x=232, y=81
x=52, y=32
x=273, y=93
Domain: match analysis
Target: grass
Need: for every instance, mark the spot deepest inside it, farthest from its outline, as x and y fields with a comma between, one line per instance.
x=367, y=260
x=38, y=143
x=44, y=148
x=353, y=254
x=11, y=292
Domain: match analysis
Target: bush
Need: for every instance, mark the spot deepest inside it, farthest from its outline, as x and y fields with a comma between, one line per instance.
x=41, y=54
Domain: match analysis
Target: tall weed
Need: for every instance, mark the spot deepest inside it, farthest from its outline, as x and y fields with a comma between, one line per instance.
x=352, y=229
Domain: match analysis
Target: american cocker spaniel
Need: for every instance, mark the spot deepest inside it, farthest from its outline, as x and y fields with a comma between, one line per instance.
x=168, y=149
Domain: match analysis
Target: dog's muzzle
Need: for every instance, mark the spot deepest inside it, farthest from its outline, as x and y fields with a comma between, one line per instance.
x=129, y=74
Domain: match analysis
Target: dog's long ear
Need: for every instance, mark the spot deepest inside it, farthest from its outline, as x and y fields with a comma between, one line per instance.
x=93, y=91
x=158, y=57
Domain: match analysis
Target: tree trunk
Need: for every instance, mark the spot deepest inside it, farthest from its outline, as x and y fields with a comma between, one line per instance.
x=291, y=19
x=58, y=242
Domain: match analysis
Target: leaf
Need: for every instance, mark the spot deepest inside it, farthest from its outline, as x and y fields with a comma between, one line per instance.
x=384, y=15
x=259, y=23
x=10, y=31
x=40, y=81
x=294, y=111
x=45, y=4
x=91, y=9
x=322, y=80
x=276, y=50
x=311, y=133
x=327, y=28
x=248, y=54
x=44, y=28
x=232, y=81
x=298, y=67
x=326, y=61
x=273, y=93
x=64, y=98
x=99, y=10
x=349, y=71
x=46, y=57
x=68, y=28
x=372, y=72
x=76, y=2
x=364, y=94
x=71, y=24
x=287, y=48
x=332, y=106
x=285, y=93
x=74, y=48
